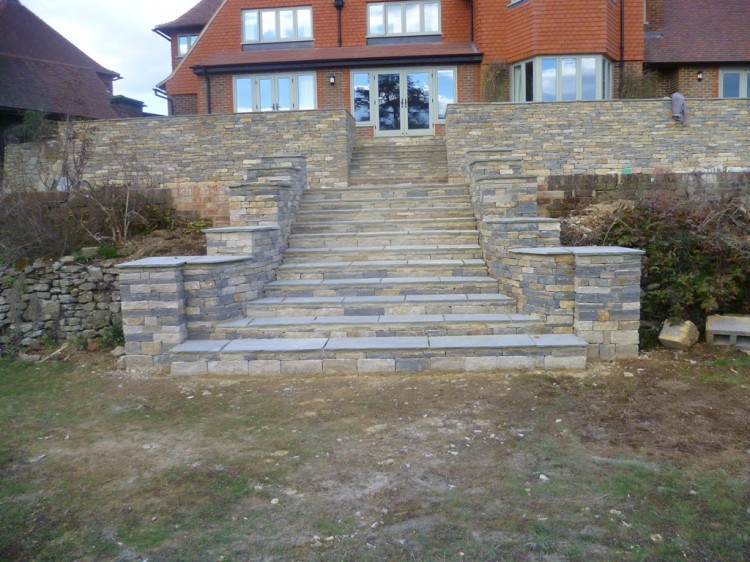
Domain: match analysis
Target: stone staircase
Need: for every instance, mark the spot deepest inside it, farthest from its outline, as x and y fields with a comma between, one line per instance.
x=384, y=276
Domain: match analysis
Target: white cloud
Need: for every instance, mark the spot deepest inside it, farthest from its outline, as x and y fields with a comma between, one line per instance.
x=118, y=35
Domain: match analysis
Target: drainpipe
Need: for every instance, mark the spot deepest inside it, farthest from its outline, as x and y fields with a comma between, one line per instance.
x=339, y=4
x=208, y=92
x=622, y=47
x=471, y=18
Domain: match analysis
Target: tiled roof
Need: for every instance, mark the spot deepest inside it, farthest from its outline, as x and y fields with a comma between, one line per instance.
x=702, y=31
x=307, y=57
x=196, y=16
x=41, y=70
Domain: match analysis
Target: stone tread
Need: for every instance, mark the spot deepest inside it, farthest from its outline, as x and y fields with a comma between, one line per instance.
x=457, y=297
x=381, y=264
x=383, y=319
x=380, y=281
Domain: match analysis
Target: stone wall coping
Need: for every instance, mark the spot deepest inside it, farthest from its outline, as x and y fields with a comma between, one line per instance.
x=228, y=229
x=249, y=184
x=505, y=177
x=486, y=150
x=179, y=261
x=578, y=251
x=521, y=220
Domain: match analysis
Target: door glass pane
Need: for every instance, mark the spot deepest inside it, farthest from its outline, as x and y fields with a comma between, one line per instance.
x=432, y=17
x=304, y=23
x=568, y=85
x=588, y=78
x=747, y=86
x=549, y=79
x=375, y=19
x=418, y=100
x=265, y=92
x=446, y=91
x=284, y=93
x=306, y=91
x=244, y=94
x=412, y=18
x=286, y=24
x=268, y=25
x=394, y=19
x=250, y=26
x=731, y=84
x=389, y=102
x=361, y=85
x=529, y=81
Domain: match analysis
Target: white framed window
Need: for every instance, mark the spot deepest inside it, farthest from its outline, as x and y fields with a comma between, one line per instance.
x=185, y=43
x=389, y=19
x=276, y=25
x=275, y=92
x=562, y=78
x=734, y=83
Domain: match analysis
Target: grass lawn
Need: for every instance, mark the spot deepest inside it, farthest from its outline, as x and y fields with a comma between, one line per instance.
x=640, y=460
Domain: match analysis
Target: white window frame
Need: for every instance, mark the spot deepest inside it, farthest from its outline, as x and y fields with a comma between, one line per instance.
x=744, y=78
x=276, y=11
x=402, y=5
x=255, y=91
x=434, y=92
x=603, y=78
x=191, y=38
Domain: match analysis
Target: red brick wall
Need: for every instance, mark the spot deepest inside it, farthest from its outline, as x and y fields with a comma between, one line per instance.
x=688, y=85
x=185, y=104
x=653, y=15
x=337, y=95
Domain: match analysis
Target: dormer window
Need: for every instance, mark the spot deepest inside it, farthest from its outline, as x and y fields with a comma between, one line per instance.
x=403, y=18
x=280, y=24
x=185, y=43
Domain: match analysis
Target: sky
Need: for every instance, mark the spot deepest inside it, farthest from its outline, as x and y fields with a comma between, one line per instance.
x=117, y=34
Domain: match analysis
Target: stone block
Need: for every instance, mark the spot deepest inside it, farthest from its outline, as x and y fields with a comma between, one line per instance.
x=678, y=335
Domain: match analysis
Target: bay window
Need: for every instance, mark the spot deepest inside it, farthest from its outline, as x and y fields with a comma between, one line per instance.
x=562, y=78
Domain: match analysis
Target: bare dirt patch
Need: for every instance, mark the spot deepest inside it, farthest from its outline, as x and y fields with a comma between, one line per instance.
x=638, y=460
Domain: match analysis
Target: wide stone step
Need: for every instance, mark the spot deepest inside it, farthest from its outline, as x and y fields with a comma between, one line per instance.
x=391, y=238
x=415, y=180
x=445, y=201
x=382, y=269
x=363, y=213
x=381, y=326
x=350, y=356
x=377, y=253
x=381, y=286
x=390, y=191
x=384, y=225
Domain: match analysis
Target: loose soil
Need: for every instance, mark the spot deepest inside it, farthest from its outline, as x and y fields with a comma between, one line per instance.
x=647, y=459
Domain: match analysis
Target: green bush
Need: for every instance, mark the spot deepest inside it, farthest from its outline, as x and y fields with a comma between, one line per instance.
x=697, y=258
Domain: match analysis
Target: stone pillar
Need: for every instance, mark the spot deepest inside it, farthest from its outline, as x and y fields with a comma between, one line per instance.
x=256, y=240
x=498, y=236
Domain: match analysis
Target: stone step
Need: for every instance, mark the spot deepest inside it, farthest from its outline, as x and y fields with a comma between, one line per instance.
x=390, y=238
x=384, y=225
x=389, y=191
x=382, y=269
x=445, y=201
x=376, y=253
x=314, y=356
x=378, y=326
x=380, y=286
x=457, y=303
x=385, y=213
x=415, y=180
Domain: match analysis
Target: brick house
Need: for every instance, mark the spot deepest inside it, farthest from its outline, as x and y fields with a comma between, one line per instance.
x=40, y=70
x=396, y=64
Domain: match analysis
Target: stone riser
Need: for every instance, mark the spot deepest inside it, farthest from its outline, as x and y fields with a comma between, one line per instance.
x=384, y=225
x=383, y=306
x=417, y=180
x=381, y=273
x=387, y=214
x=396, y=238
x=377, y=253
x=387, y=192
x=368, y=288
x=417, y=203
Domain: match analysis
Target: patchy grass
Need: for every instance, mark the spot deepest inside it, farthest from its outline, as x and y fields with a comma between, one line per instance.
x=646, y=460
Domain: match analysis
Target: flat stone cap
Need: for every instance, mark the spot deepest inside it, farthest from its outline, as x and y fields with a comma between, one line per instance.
x=229, y=229
x=179, y=261
x=521, y=220
x=578, y=251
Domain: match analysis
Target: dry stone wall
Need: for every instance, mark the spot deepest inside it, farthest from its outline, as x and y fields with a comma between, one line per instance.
x=58, y=300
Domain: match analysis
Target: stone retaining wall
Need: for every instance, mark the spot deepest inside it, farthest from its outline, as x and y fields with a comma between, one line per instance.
x=57, y=300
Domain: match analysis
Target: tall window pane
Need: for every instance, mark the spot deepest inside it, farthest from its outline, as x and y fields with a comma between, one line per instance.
x=286, y=24
x=393, y=19
x=244, y=94
x=306, y=91
x=588, y=78
x=183, y=46
x=446, y=91
x=268, y=25
x=375, y=19
x=731, y=83
x=361, y=85
x=432, y=17
x=413, y=18
x=529, y=81
x=568, y=79
x=549, y=79
x=250, y=26
x=304, y=23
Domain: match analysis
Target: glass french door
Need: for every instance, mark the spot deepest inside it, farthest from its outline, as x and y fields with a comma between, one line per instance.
x=403, y=103
x=275, y=92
